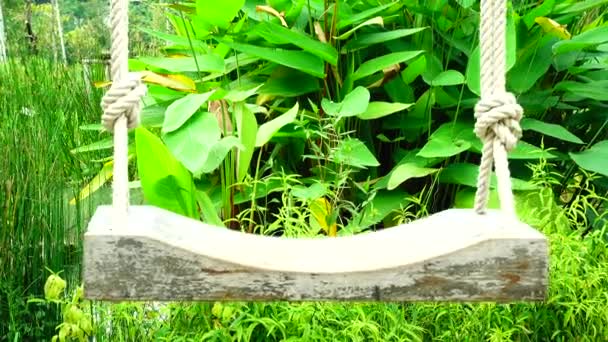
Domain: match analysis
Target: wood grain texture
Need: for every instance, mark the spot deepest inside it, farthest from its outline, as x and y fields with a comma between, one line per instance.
x=455, y=255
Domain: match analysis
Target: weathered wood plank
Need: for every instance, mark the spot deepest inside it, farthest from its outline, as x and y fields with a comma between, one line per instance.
x=455, y=255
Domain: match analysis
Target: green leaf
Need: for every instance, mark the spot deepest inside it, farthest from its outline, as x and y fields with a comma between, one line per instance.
x=316, y=190
x=403, y=172
x=176, y=39
x=383, y=204
x=414, y=69
x=376, y=110
x=465, y=198
x=165, y=181
x=181, y=110
x=191, y=144
x=268, y=129
x=104, y=175
x=372, y=21
x=448, y=78
x=473, y=67
x=218, y=13
x=238, y=95
x=596, y=90
x=272, y=31
x=353, y=152
x=585, y=40
x=380, y=63
x=247, y=128
x=448, y=140
x=553, y=130
x=289, y=82
x=366, y=39
x=542, y=10
x=299, y=60
x=208, y=210
x=577, y=6
x=466, y=3
x=466, y=174
x=354, y=103
x=103, y=144
x=218, y=151
x=595, y=159
x=361, y=16
x=206, y=63
x=532, y=65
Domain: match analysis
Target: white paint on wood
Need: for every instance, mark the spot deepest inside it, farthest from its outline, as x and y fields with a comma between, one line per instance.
x=454, y=255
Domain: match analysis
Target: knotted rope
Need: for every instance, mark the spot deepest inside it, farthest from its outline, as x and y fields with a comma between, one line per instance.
x=497, y=114
x=121, y=105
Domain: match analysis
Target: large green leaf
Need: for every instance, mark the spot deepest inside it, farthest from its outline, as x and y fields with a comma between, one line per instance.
x=197, y=144
x=270, y=128
x=448, y=140
x=203, y=63
x=181, y=110
x=532, y=65
x=595, y=90
x=353, y=152
x=378, y=64
x=218, y=13
x=466, y=174
x=272, y=31
x=587, y=39
x=553, y=130
x=165, y=181
x=473, y=67
x=299, y=60
x=448, y=78
x=354, y=103
x=406, y=171
x=247, y=128
x=192, y=143
x=366, y=39
x=289, y=82
x=217, y=153
x=595, y=159
x=542, y=10
x=378, y=109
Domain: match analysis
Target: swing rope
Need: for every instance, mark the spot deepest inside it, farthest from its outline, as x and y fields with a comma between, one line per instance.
x=121, y=106
x=497, y=113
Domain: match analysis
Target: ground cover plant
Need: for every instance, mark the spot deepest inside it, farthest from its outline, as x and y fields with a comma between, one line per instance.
x=301, y=118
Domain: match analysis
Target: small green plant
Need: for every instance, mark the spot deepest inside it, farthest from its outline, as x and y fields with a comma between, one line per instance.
x=76, y=322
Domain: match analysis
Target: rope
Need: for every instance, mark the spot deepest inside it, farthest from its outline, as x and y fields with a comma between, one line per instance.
x=497, y=114
x=121, y=105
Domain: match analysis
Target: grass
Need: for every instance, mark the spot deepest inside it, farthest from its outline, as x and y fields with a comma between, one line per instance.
x=42, y=107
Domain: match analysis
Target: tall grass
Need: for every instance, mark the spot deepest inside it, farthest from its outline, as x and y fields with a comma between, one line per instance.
x=42, y=107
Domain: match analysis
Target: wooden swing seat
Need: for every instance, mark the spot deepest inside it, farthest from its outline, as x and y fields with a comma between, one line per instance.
x=454, y=255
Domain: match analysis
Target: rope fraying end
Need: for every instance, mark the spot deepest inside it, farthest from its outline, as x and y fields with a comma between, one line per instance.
x=123, y=98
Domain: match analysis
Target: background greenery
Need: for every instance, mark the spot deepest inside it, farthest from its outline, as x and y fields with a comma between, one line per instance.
x=301, y=118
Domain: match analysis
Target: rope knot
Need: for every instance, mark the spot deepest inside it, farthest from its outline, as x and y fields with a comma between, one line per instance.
x=123, y=98
x=498, y=117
